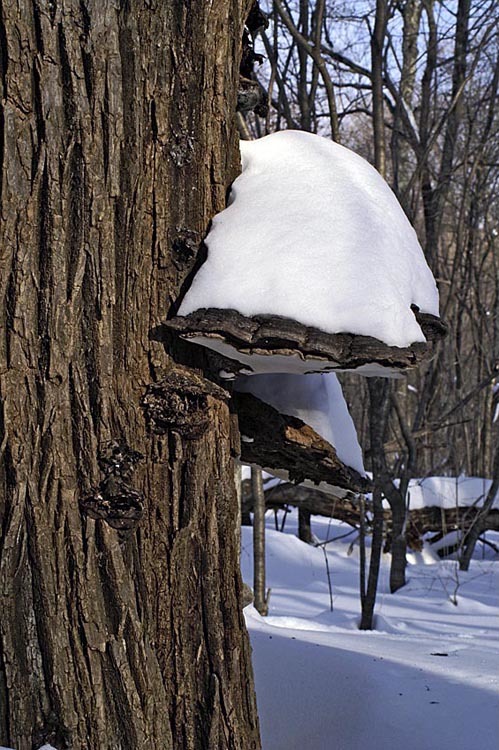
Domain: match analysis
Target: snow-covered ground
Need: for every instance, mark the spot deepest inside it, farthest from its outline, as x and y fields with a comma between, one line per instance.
x=426, y=679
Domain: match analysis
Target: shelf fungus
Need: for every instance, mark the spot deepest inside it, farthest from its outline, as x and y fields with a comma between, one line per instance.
x=272, y=344
x=298, y=428
x=312, y=268
x=290, y=449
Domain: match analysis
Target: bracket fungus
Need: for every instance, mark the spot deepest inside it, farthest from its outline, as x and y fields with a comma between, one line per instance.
x=181, y=402
x=312, y=267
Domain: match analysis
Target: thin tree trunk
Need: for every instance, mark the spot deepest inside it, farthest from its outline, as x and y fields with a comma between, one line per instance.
x=411, y=12
x=304, y=526
x=436, y=197
x=377, y=44
x=362, y=551
x=398, y=546
x=378, y=413
x=478, y=526
x=303, y=72
x=258, y=541
x=117, y=145
x=369, y=600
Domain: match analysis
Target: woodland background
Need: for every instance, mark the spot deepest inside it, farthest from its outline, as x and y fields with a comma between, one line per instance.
x=423, y=76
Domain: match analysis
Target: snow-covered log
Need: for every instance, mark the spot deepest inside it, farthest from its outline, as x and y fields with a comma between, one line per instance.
x=287, y=447
x=420, y=521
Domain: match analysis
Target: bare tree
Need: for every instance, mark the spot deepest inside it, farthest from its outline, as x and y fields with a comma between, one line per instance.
x=479, y=523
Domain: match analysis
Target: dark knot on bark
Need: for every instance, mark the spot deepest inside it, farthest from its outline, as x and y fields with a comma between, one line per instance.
x=181, y=402
x=115, y=501
x=251, y=96
x=257, y=20
x=118, y=459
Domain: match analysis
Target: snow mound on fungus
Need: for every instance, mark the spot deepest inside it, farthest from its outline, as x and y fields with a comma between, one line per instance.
x=312, y=232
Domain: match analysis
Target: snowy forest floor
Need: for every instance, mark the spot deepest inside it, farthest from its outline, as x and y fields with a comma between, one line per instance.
x=427, y=677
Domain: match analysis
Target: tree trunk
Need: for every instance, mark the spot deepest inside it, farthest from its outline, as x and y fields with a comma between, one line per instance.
x=368, y=600
x=377, y=44
x=398, y=547
x=479, y=523
x=378, y=414
x=117, y=145
x=259, y=541
x=304, y=526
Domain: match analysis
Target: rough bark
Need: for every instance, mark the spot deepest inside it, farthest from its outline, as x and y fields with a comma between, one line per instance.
x=117, y=145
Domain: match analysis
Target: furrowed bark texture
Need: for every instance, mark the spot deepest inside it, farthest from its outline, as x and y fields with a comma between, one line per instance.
x=117, y=145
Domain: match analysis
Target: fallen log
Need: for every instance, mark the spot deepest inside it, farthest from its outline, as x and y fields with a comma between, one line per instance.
x=420, y=521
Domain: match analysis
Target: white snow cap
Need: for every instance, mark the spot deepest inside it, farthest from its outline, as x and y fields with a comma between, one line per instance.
x=312, y=232
x=318, y=401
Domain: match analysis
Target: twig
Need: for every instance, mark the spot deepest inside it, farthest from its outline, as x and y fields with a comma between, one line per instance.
x=328, y=572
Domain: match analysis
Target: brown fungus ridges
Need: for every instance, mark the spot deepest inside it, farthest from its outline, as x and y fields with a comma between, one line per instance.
x=256, y=342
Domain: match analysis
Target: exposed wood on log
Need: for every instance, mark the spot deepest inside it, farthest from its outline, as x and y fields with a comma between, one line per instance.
x=315, y=350
x=279, y=442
